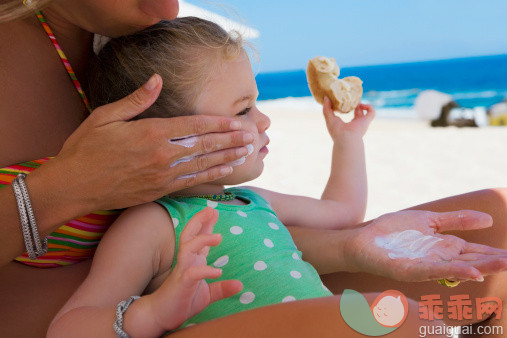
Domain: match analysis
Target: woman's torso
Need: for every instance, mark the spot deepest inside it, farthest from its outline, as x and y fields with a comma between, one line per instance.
x=40, y=109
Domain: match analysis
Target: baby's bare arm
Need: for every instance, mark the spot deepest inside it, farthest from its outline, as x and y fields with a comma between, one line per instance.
x=137, y=247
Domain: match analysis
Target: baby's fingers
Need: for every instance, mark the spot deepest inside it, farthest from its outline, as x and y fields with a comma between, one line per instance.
x=224, y=289
x=202, y=222
x=197, y=273
x=359, y=112
x=329, y=115
x=199, y=244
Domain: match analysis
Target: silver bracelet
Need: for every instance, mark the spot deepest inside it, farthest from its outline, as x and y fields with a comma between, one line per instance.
x=120, y=311
x=33, y=244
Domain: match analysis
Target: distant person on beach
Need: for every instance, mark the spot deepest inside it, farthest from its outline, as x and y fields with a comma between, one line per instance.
x=83, y=164
x=173, y=235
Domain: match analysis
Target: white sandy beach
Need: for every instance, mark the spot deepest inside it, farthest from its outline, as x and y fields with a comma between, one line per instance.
x=408, y=162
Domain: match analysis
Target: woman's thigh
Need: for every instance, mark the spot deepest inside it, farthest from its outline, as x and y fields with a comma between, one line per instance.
x=318, y=317
x=491, y=201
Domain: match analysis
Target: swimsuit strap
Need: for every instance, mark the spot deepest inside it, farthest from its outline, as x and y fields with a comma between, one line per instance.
x=64, y=59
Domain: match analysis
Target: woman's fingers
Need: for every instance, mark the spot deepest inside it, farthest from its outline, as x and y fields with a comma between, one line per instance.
x=459, y=220
x=486, y=264
x=454, y=270
x=482, y=249
x=194, y=125
x=190, y=180
x=131, y=105
x=224, y=289
x=193, y=164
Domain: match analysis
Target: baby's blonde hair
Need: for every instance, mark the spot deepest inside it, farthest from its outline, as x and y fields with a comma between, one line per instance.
x=16, y=9
x=184, y=52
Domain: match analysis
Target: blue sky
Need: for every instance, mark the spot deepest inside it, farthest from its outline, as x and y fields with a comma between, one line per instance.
x=368, y=32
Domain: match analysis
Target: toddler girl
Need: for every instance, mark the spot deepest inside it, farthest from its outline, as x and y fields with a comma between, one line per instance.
x=206, y=71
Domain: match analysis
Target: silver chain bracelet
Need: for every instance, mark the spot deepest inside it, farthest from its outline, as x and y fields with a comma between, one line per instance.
x=120, y=311
x=33, y=244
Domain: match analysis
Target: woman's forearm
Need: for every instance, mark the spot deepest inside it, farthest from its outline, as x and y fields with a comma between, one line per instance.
x=326, y=250
x=52, y=206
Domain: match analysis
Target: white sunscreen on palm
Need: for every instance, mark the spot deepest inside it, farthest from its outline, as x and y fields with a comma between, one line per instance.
x=409, y=244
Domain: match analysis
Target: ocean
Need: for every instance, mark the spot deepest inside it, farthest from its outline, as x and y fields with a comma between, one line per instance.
x=472, y=82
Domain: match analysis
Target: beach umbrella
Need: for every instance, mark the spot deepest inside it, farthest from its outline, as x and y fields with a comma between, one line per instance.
x=498, y=109
x=429, y=103
x=187, y=9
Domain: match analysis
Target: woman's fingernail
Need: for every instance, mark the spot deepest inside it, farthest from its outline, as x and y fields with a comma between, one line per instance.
x=248, y=138
x=479, y=279
x=152, y=83
x=226, y=171
x=235, y=125
x=242, y=151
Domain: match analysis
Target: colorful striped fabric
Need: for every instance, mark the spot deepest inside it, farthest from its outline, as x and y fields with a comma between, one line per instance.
x=64, y=59
x=71, y=243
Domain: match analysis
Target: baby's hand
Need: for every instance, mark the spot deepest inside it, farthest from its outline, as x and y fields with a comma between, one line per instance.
x=359, y=124
x=185, y=292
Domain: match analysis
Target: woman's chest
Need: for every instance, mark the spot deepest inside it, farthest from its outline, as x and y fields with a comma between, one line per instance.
x=40, y=106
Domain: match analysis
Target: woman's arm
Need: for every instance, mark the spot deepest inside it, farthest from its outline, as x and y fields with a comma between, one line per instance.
x=355, y=250
x=111, y=163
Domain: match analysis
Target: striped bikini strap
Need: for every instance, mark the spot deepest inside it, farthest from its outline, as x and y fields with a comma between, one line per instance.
x=64, y=59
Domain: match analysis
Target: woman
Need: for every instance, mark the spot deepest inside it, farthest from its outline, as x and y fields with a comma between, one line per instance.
x=79, y=179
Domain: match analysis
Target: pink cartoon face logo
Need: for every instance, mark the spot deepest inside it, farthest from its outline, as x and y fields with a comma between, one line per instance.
x=390, y=308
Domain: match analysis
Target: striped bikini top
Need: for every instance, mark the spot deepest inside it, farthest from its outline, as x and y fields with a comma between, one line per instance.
x=75, y=241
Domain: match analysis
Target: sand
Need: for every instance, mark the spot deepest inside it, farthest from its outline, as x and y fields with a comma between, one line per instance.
x=408, y=162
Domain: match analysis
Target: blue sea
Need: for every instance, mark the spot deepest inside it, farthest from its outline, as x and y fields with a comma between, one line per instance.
x=472, y=82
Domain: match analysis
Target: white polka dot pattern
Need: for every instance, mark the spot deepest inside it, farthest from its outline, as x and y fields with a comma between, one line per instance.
x=288, y=299
x=221, y=261
x=212, y=204
x=260, y=265
x=273, y=226
x=247, y=297
x=236, y=230
x=295, y=274
x=256, y=249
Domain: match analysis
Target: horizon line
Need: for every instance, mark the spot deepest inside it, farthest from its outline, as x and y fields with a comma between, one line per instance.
x=392, y=64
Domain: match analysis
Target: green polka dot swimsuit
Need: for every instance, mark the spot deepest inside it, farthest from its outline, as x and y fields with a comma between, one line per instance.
x=256, y=249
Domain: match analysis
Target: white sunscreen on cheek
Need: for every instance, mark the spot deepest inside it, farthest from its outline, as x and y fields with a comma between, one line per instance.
x=237, y=162
x=407, y=244
x=250, y=149
x=187, y=141
x=242, y=160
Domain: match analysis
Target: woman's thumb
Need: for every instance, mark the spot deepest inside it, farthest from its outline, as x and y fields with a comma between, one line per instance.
x=131, y=105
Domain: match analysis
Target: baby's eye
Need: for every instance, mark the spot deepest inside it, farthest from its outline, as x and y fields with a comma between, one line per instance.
x=244, y=111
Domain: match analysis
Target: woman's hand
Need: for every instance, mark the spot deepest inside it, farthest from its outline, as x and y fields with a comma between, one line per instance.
x=185, y=293
x=110, y=162
x=358, y=125
x=446, y=256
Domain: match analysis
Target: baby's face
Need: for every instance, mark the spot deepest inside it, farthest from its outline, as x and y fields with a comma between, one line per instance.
x=232, y=91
